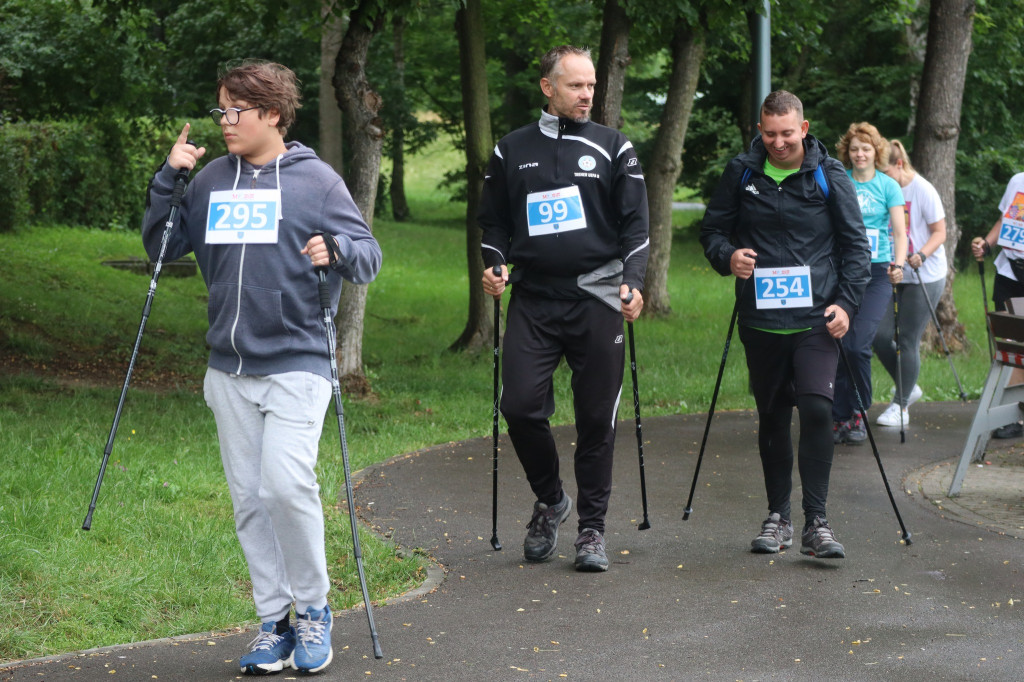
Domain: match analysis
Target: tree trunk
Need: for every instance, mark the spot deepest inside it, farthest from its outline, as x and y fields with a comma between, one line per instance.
x=476, y=114
x=399, y=205
x=519, y=104
x=363, y=140
x=950, y=23
x=330, y=115
x=666, y=160
x=916, y=34
x=612, y=60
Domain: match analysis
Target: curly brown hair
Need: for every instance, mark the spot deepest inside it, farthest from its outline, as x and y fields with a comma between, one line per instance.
x=864, y=132
x=264, y=84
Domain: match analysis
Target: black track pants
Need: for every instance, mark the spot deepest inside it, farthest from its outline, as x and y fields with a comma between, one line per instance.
x=589, y=335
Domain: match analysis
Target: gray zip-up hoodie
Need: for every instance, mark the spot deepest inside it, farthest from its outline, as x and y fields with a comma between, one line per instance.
x=264, y=310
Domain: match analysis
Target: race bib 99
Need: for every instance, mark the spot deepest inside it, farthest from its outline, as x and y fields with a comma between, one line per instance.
x=559, y=210
x=783, y=287
x=243, y=216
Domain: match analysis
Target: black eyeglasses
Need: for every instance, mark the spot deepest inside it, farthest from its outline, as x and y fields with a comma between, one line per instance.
x=232, y=115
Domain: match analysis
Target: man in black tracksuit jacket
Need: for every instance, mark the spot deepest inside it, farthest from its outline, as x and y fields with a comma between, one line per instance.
x=564, y=202
x=788, y=209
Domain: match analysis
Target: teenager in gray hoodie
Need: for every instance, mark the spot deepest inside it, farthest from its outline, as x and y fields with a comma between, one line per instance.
x=249, y=218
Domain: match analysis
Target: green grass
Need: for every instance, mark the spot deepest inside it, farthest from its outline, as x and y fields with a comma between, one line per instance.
x=162, y=558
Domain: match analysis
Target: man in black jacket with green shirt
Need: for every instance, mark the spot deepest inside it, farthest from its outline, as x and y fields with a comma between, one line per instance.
x=564, y=202
x=785, y=221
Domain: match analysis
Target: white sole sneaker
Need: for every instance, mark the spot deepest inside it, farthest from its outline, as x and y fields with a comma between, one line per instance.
x=915, y=395
x=891, y=416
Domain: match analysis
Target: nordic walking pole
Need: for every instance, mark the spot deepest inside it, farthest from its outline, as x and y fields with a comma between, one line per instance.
x=645, y=524
x=984, y=301
x=942, y=339
x=324, y=291
x=711, y=410
x=899, y=363
x=871, y=437
x=495, y=543
x=180, y=181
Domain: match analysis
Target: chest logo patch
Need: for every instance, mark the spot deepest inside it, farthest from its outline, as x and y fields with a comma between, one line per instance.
x=587, y=163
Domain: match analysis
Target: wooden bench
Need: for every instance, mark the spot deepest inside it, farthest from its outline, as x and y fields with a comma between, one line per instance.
x=999, y=404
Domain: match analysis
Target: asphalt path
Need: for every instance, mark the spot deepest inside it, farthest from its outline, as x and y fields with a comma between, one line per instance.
x=684, y=600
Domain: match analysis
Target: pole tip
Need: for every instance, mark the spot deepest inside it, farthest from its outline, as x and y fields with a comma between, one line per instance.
x=906, y=538
x=686, y=513
x=377, y=653
x=495, y=543
x=644, y=526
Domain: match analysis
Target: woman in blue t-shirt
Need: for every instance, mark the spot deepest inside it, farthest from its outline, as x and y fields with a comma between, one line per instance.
x=864, y=151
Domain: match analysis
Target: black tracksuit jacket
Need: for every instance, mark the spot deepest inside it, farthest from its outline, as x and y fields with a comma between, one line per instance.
x=556, y=153
x=788, y=225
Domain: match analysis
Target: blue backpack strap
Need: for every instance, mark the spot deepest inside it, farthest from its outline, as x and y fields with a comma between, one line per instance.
x=746, y=176
x=819, y=176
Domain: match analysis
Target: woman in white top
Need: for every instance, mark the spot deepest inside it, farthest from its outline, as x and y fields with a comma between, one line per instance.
x=924, y=282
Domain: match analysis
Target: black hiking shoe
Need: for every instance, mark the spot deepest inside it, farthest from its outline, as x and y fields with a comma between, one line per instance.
x=542, y=530
x=776, y=535
x=818, y=540
x=590, y=554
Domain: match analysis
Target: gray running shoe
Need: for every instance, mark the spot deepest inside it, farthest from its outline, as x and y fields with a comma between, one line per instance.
x=818, y=540
x=776, y=534
x=542, y=530
x=849, y=432
x=590, y=554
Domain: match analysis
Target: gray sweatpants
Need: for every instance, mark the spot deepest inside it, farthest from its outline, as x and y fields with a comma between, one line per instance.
x=269, y=430
x=914, y=317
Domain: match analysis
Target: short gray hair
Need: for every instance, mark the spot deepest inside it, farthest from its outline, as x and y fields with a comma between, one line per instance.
x=549, y=63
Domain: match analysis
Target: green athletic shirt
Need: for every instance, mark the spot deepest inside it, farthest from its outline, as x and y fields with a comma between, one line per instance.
x=778, y=175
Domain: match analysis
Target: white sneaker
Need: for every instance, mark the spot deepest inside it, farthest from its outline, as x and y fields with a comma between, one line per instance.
x=891, y=416
x=915, y=395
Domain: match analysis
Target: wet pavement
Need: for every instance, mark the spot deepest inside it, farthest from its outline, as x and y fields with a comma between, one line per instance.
x=684, y=600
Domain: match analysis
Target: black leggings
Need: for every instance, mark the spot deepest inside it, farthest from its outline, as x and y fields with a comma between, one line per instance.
x=815, y=455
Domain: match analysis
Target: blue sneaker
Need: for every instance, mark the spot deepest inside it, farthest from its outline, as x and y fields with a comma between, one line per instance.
x=313, y=650
x=269, y=652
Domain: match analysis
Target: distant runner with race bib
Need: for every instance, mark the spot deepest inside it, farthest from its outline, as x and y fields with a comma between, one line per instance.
x=1008, y=233
x=565, y=203
x=785, y=221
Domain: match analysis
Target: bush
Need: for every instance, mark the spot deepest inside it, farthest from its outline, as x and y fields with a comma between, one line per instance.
x=981, y=179
x=88, y=172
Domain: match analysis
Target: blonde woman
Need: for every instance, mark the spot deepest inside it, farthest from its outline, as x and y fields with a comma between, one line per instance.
x=865, y=152
x=923, y=282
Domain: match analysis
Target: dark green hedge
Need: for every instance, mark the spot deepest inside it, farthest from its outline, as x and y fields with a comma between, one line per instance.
x=83, y=172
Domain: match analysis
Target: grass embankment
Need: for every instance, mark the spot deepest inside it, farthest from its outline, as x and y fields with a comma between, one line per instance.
x=162, y=558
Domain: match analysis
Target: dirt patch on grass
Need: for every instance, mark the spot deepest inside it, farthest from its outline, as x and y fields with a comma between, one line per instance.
x=96, y=371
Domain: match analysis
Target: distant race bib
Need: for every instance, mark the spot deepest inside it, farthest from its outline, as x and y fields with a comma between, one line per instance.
x=783, y=287
x=559, y=210
x=1011, y=232
x=243, y=216
x=873, y=241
